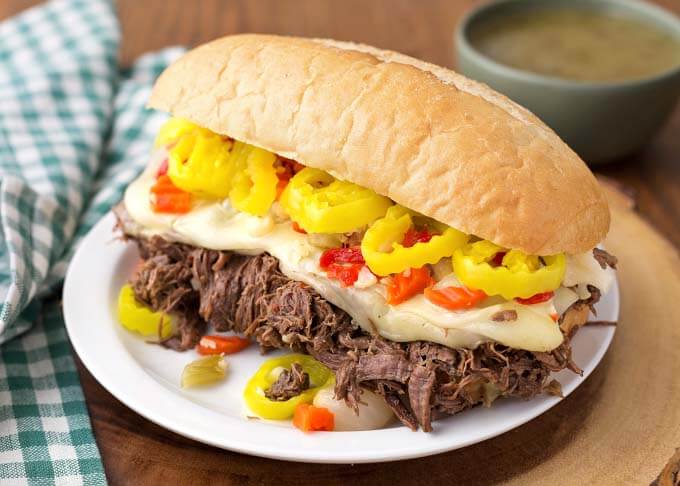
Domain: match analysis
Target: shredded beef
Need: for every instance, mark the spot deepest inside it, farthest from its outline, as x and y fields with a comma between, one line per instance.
x=164, y=283
x=605, y=259
x=289, y=384
x=420, y=381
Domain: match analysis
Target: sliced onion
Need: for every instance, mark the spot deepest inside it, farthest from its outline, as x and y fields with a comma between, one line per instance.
x=373, y=412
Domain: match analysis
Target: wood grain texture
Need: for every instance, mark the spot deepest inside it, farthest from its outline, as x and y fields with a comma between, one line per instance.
x=607, y=427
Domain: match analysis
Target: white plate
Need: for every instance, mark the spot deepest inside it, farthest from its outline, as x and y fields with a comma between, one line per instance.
x=146, y=378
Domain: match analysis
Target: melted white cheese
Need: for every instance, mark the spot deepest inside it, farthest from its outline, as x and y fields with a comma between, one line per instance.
x=217, y=226
x=584, y=269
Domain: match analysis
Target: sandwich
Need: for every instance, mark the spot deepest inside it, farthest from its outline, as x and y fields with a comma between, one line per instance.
x=422, y=236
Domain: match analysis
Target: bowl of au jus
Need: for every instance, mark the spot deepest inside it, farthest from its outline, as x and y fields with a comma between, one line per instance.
x=604, y=74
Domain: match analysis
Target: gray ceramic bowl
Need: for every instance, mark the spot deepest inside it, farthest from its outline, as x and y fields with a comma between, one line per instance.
x=600, y=121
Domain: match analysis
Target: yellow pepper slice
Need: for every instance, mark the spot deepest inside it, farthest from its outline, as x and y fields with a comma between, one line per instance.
x=200, y=163
x=254, y=184
x=384, y=253
x=209, y=165
x=319, y=203
x=137, y=317
x=266, y=376
x=519, y=275
x=173, y=129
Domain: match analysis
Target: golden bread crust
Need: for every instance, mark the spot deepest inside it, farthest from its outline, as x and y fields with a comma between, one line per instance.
x=427, y=137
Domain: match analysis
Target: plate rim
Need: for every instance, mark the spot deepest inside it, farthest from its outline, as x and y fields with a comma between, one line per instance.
x=428, y=444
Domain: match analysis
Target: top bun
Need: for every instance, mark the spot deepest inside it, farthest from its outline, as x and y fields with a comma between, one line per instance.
x=426, y=137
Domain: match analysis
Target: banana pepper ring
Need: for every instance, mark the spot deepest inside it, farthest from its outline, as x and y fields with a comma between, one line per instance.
x=173, y=129
x=319, y=376
x=200, y=163
x=319, y=203
x=137, y=317
x=519, y=275
x=383, y=249
x=255, y=181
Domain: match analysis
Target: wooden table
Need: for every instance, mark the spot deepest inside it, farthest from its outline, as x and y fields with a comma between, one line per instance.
x=135, y=451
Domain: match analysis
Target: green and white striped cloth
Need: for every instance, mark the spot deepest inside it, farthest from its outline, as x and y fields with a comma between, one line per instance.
x=73, y=133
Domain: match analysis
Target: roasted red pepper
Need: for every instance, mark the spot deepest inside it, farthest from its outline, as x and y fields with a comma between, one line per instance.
x=343, y=264
x=298, y=228
x=347, y=274
x=280, y=186
x=341, y=255
x=221, y=344
x=167, y=198
x=454, y=298
x=408, y=283
x=309, y=418
x=285, y=170
x=536, y=299
x=414, y=236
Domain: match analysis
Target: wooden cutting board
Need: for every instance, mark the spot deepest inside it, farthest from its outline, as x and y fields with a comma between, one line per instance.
x=621, y=426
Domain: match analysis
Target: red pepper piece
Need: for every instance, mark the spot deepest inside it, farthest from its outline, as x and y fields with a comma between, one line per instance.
x=221, y=345
x=341, y=255
x=347, y=273
x=536, y=299
x=298, y=228
x=414, y=236
x=454, y=298
x=342, y=264
x=286, y=169
x=309, y=418
x=408, y=283
x=168, y=198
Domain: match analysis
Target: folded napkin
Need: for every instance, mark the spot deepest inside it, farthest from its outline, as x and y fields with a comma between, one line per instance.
x=73, y=133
